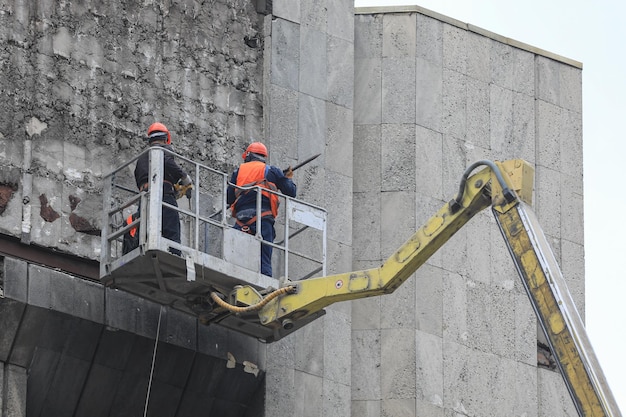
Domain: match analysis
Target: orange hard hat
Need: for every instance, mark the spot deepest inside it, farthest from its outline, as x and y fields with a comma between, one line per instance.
x=255, y=147
x=157, y=130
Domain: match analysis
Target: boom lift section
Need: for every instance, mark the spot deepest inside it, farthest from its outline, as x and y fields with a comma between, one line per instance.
x=507, y=188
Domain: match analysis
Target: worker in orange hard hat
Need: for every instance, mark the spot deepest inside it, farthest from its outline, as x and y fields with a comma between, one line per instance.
x=255, y=171
x=159, y=135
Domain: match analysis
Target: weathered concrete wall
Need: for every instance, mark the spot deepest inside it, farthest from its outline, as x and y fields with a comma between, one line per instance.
x=431, y=97
x=82, y=81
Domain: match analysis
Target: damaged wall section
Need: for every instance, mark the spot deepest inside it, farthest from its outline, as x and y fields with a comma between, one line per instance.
x=82, y=82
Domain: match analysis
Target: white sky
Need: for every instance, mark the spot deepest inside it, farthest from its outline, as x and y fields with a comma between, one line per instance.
x=591, y=33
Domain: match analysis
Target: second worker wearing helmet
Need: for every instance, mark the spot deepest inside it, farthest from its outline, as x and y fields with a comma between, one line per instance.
x=254, y=171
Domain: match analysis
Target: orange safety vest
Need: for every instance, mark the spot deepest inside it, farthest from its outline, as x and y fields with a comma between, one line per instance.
x=132, y=232
x=253, y=173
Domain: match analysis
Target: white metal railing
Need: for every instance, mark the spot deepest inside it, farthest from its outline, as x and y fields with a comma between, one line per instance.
x=206, y=227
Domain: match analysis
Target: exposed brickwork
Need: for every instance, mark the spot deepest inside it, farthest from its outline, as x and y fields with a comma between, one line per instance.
x=6, y=194
x=46, y=212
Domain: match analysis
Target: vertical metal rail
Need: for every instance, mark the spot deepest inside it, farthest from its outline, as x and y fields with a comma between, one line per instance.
x=556, y=312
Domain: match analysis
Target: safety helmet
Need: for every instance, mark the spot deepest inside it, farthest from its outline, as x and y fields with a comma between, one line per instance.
x=157, y=131
x=255, y=147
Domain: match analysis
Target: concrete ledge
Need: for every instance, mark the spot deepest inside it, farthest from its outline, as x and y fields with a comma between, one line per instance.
x=469, y=27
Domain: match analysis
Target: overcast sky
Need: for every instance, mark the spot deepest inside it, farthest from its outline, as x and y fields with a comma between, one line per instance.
x=592, y=33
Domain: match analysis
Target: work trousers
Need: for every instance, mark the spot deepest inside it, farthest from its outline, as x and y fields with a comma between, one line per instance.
x=170, y=228
x=269, y=234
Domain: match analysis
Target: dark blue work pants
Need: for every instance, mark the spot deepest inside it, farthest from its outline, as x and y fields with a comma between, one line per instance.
x=170, y=229
x=269, y=234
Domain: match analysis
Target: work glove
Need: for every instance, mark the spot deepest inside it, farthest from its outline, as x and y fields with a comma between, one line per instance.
x=184, y=187
x=289, y=172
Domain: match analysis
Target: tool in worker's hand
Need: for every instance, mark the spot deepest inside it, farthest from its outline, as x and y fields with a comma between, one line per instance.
x=183, y=190
x=301, y=164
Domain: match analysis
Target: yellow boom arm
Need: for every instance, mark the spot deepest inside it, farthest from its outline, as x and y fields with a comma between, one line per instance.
x=507, y=188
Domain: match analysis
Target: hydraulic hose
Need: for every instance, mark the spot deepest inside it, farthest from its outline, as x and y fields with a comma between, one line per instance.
x=506, y=191
x=290, y=289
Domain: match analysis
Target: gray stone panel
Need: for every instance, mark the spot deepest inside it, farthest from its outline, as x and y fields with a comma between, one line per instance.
x=398, y=156
x=366, y=313
x=512, y=68
x=429, y=44
x=308, y=390
x=337, y=342
x=478, y=383
x=548, y=138
x=339, y=139
x=455, y=49
x=311, y=125
x=16, y=279
x=367, y=91
x=341, y=19
x=340, y=72
x=366, y=364
x=572, y=203
x=398, y=90
x=455, y=326
x=399, y=35
x=339, y=260
x=281, y=354
x=398, y=407
x=454, y=106
x=553, y=398
x=309, y=348
x=548, y=80
x=429, y=300
x=336, y=399
x=478, y=113
x=398, y=364
x=428, y=168
x=313, y=62
x=366, y=408
x=573, y=268
x=286, y=9
x=398, y=220
x=428, y=90
x=314, y=13
x=479, y=247
x=368, y=36
x=338, y=202
x=280, y=396
x=367, y=158
x=548, y=208
x=394, y=308
x=479, y=57
x=525, y=331
x=429, y=369
x=366, y=224
x=572, y=145
x=285, y=54
x=570, y=80
x=283, y=120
